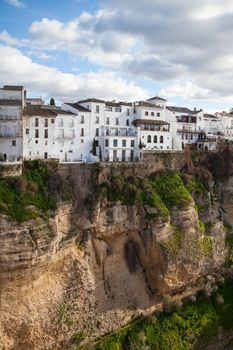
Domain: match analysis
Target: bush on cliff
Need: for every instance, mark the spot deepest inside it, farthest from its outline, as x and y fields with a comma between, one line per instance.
x=192, y=325
x=33, y=193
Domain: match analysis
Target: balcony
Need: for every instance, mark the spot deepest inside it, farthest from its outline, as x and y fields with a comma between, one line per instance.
x=188, y=131
x=7, y=135
x=65, y=137
x=9, y=118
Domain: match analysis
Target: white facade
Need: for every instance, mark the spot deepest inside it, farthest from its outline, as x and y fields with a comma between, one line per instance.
x=94, y=129
x=12, y=100
x=38, y=133
x=186, y=126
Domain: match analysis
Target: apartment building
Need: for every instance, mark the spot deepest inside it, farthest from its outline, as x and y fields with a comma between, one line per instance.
x=186, y=125
x=12, y=102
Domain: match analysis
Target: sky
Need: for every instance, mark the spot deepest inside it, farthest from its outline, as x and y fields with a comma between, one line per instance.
x=126, y=50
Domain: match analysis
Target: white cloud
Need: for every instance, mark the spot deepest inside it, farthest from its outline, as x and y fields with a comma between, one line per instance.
x=17, y=68
x=184, y=43
x=15, y=3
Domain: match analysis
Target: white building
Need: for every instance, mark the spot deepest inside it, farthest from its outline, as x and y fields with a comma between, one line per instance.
x=153, y=131
x=38, y=133
x=12, y=101
x=94, y=129
x=186, y=125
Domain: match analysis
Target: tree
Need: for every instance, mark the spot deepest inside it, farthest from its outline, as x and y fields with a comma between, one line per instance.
x=100, y=154
x=93, y=150
x=52, y=102
x=141, y=145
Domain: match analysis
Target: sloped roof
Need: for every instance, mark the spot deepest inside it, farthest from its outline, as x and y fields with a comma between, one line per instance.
x=156, y=98
x=211, y=116
x=179, y=109
x=78, y=107
x=91, y=100
x=36, y=110
x=145, y=104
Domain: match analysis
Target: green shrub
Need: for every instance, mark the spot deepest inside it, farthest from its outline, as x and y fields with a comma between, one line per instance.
x=196, y=186
x=78, y=337
x=207, y=245
x=171, y=189
x=174, y=244
x=191, y=326
x=33, y=193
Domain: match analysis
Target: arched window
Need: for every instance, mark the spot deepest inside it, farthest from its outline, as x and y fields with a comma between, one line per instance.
x=146, y=113
x=152, y=114
x=149, y=139
x=155, y=139
x=161, y=139
x=158, y=114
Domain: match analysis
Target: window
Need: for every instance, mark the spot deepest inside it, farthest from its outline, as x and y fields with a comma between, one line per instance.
x=61, y=133
x=161, y=139
x=114, y=143
x=97, y=120
x=182, y=137
x=106, y=143
x=46, y=133
x=61, y=122
x=82, y=132
x=158, y=114
x=149, y=139
x=52, y=121
x=128, y=111
x=13, y=143
x=97, y=109
x=132, y=143
x=96, y=143
x=72, y=123
x=27, y=131
x=117, y=121
x=81, y=141
x=82, y=119
x=46, y=155
x=127, y=122
x=36, y=141
x=123, y=143
x=146, y=113
x=152, y=114
x=46, y=123
x=107, y=120
x=36, y=133
x=118, y=109
x=36, y=121
x=97, y=132
x=155, y=139
x=108, y=109
x=191, y=136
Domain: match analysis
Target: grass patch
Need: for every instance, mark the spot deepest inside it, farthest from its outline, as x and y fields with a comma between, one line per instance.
x=196, y=186
x=33, y=193
x=174, y=245
x=158, y=191
x=207, y=245
x=171, y=189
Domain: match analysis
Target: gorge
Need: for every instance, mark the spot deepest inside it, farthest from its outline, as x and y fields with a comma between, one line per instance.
x=88, y=249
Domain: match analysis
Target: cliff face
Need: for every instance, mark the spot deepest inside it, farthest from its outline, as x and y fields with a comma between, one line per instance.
x=97, y=263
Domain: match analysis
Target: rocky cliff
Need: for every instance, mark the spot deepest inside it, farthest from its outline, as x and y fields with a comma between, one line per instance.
x=128, y=240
